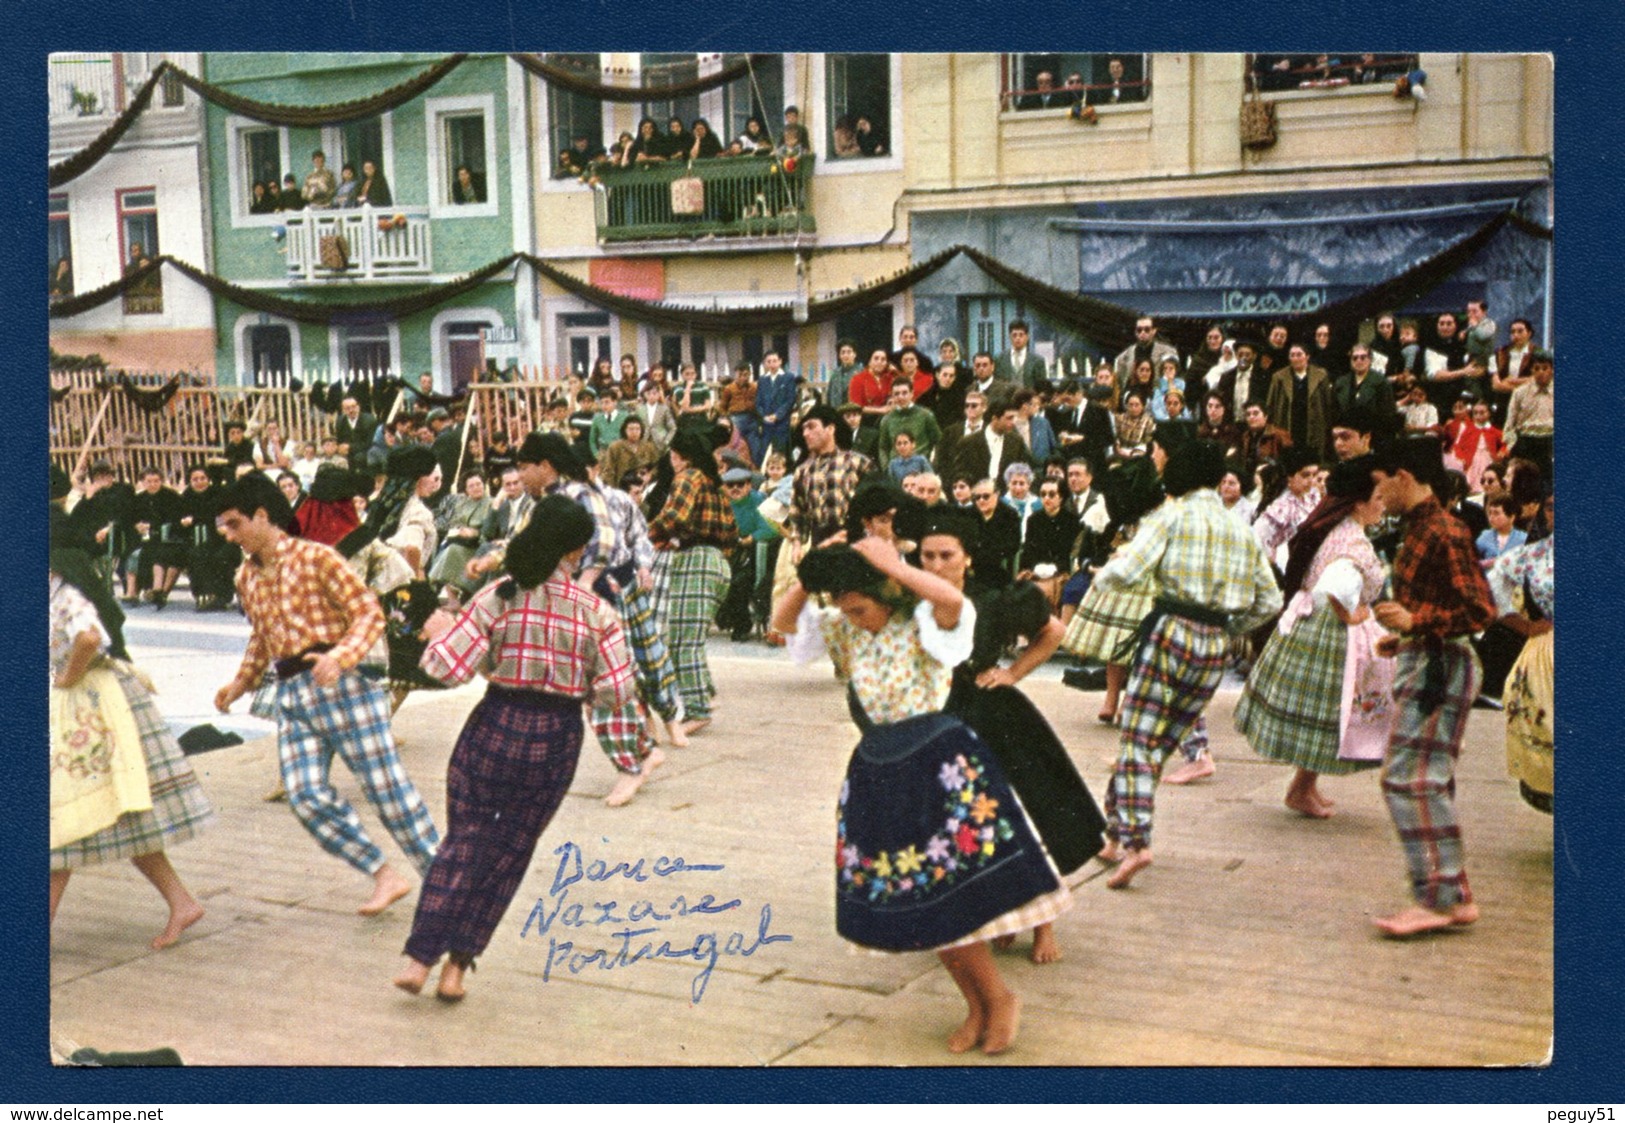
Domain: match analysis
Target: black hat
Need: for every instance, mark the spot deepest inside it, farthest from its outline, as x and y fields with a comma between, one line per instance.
x=547, y=448
x=1195, y=464
x=334, y=484
x=410, y=462
x=823, y=412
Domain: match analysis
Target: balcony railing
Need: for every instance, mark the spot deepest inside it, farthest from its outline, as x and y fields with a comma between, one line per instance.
x=373, y=244
x=745, y=196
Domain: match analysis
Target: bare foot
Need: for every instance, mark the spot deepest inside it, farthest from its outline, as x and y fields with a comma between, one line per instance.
x=1046, y=949
x=451, y=983
x=278, y=794
x=388, y=887
x=626, y=786
x=968, y=1035
x=693, y=726
x=412, y=977
x=1111, y=853
x=1003, y=943
x=1464, y=914
x=676, y=734
x=1198, y=769
x=1107, y=717
x=1304, y=803
x=1133, y=862
x=1003, y=1019
x=1416, y=920
x=179, y=921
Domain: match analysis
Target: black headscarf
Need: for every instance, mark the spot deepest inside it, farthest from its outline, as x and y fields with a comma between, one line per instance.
x=696, y=448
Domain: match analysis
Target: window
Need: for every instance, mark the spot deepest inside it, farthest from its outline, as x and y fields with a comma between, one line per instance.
x=464, y=171
x=270, y=352
x=858, y=94
x=585, y=339
x=763, y=98
x=364, y=348
x=755, y=346
x=1059, y=81
x=570, y=114
x=986, y=321
x=1273, y=73
x=138, y=244
x=60, y=248
x=261, y=151
x=173, y=93
x=360, y=141
x=671, y=70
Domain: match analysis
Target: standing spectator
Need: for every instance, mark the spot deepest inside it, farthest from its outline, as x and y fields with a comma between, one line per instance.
x=691, y=399
x=986, y=454
x=608, y=423
x=373, y=190
x=1509, y=368
x=1033, y=426
x=1478, y=444
x=1145, y=348
x=1246, y=382
x=631, y=451
x=1363, y=387
x=1301, y=401
x=737, y=401
x=1445, y=362
x=775, y=402
x=906, y=417
x=1387, y=355
x=975, y=417
x=354, y=431
x=824, y=483
x=1478, y=340
x=1419, y=414
x=946, y=398
x=1274, y=356
x=846, y=367
x=659, y=422
x=1117, y=89
x=1020, y=366
x=1529, y=414
x=1211, y=354
x=320, y=186
x=1502, y=536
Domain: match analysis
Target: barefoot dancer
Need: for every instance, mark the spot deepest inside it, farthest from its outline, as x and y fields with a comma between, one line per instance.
x=545, y=643
x=313, y=622
x=1440, y=600
x=1295, y=708
x=91, y=827
x=935, y=852
x=984, y=697
x=1213, y=576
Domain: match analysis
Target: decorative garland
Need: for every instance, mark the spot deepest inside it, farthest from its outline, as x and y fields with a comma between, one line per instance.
x=149, y=401
x=88, y=156
x=311, y=116
x=1105, y=322
x=563, y=79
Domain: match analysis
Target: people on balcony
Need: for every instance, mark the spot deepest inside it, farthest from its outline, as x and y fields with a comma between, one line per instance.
x=677, y=140
x=345, y=195
x=581, y=155
x=622, y=155
x=262, y=198
x=468, y=187
x=320, y=185
x=794, y=143
x=1117, y=89
x=290, y=198
x=374, y=188
x=650, y=146
x=756, y=140
x=705, y=143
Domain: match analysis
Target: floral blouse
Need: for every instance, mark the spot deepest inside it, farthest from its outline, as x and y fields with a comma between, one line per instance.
x=1526, y=567
x=71, y=614
x=906, y=668
x=1348, y=541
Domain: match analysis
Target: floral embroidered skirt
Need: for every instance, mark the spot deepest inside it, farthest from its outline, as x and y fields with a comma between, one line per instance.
x=934, y=849
x=1528, y=703
x=1291, y=708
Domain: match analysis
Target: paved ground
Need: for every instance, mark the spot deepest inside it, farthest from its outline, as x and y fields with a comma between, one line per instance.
x=1247, y=943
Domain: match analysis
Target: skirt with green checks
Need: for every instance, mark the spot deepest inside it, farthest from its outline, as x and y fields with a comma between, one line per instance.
x=179, y=807
x=1107, y=621
x=1291, y=706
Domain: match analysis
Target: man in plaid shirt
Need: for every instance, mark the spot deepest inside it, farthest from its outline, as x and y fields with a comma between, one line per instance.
x=824, y=484
x=1440, y=598
x=1215, y=582
x=313, y=621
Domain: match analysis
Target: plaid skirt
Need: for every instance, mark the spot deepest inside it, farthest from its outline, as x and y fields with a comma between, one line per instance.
x=179, y=807
x=1528, y=701
x=1107, y=621
x=933, y=847
x=1291, y=707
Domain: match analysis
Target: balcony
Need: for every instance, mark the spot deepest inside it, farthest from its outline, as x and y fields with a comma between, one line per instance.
x=745, y=196
x=378, y=245
x=84, y=84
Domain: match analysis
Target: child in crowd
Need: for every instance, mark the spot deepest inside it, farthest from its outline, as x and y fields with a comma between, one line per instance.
x=905, y=461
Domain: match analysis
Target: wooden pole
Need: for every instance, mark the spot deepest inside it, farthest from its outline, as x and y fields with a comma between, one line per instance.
x=90, y=437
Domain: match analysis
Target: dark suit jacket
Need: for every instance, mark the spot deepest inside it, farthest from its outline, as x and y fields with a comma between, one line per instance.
x=1374, y=394
x=1033, y=369
x=358, y=435
x=970, y=457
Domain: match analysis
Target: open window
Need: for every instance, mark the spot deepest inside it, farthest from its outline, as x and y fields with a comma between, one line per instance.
x=858, y=100
x=138, y=244
x=570, y=114
x=1055, y=80
x=462, y=156
x=60, y=248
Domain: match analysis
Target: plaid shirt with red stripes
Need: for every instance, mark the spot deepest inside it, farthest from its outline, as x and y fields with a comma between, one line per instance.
x=556, y=638
x=306, y=596
x=1437, y=575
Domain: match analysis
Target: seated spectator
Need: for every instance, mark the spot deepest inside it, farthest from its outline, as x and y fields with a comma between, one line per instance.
x=1503, y=536
x=1018, y=491
x=1478, y=444
x=272, y=454
x=1173, y=407
x=1033, y=426
x=1231, y=494
x=305, y=464
x=468, y=187
x=632, y=452
x=650, y=145
x=1216, y=424
x=1134, y=427
x=756, y=140
x=993, y=560
x=870, y=139
x=864, y=438
x=1261, y=441
x=608, y=424
x=705, y=144
x=238, y=448
x=905, y=461
x=345, y=195
x=960, y=492
x=1047, y=545
x=373, y=190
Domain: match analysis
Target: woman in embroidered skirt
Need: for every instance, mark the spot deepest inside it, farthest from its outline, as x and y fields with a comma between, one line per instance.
x=1300, y=705
x=545, y=644
x=697, y=526
x=120, y=786
x=934, y=851
x=1524, y=576
x=984, y=697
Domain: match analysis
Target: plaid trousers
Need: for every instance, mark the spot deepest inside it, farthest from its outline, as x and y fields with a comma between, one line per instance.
x=1174, y=676
x=350, y=718
x=699, y=581
x=623, y=735
x=1419, y=770
x=511, y=768
x=657, y=677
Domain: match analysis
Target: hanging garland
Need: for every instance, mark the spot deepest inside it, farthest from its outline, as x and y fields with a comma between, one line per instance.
x=149, y=401
x=561, y=78
x=95, y=298
x=311, y=116
x=60, y=393
x=88, y=156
